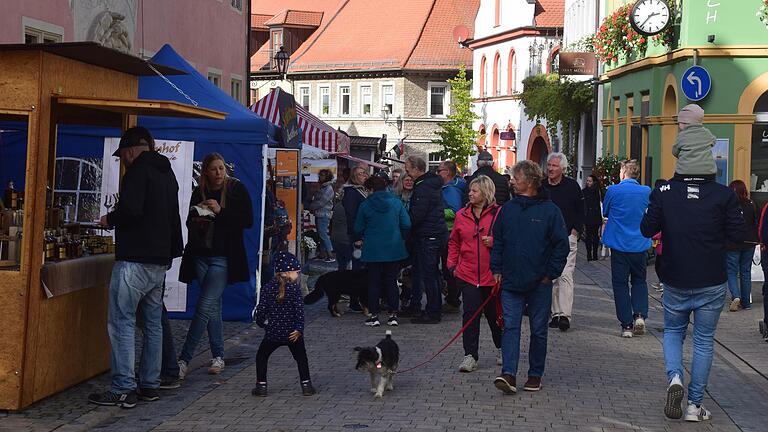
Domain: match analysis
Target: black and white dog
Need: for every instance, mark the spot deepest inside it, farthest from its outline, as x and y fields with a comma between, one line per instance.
x=381, y=362
x=335, y=283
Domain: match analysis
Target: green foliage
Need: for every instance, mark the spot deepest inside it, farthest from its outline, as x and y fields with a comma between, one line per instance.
x=607, y=171
x=585, y=44
x=456, y=136
x=560, y=102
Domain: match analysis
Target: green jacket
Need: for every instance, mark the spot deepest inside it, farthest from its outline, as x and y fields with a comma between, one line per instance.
x=693, y=150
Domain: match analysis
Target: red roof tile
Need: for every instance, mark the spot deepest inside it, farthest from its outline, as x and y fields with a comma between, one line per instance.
x=258, y=20
x=549, y=13
x=437, y=47
x=274, y=7
x=295, y=17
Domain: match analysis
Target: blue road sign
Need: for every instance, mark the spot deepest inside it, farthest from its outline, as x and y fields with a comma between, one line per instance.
x=696, y=83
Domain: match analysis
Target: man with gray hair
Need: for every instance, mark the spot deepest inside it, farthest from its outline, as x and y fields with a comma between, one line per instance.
x=624, y=206
x=567, y=195
x=485, y=167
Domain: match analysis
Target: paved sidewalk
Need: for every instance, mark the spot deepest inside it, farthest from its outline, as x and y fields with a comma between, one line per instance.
x=595, y=381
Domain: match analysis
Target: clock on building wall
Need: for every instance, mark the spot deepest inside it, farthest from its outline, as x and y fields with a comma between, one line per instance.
x=650, y=17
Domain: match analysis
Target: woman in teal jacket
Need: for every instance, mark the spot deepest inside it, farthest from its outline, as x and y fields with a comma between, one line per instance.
x=381, y=222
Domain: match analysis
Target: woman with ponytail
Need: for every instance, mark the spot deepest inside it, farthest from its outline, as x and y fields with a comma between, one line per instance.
x=280, y=313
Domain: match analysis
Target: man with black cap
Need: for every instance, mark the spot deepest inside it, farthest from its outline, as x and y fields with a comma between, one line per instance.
x=485, y=167
x=147, y=237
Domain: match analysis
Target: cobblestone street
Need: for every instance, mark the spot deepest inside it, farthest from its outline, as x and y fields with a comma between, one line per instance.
x=595, y=381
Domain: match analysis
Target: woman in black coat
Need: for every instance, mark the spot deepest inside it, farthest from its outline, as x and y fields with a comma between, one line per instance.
x=215, y=254
x=593, y=216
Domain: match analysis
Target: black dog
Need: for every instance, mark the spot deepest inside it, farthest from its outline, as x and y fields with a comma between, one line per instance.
x=353, y=283
x=380, y=361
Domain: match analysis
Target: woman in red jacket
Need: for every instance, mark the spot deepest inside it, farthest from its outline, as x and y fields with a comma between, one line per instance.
x=469, y=256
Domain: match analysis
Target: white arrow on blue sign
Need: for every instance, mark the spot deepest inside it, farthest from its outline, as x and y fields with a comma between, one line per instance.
x=696, y=83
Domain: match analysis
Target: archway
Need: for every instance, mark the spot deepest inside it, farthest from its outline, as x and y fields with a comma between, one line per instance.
x=757, y=181
x=749, y=103
x=493, y=148
x=481, y=138
x=538, y=152
x=669, y=127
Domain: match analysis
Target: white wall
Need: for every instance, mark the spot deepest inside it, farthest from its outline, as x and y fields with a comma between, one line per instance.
x=514, y=14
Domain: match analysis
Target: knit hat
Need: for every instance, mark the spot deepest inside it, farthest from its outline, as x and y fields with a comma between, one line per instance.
x=485, y=156
x=285, y=262
x=691, y=114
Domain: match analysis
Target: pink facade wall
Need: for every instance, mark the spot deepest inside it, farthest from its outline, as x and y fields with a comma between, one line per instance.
x=208, y=33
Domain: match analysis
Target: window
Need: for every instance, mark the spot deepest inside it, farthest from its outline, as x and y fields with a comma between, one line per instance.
x=276, y=42
x=345, y=95
x=366, y=99
x=78, y=187
x=437, y=100
x=497, y=14
x=388, y=97
x=512, y=73
x=496, y=75
x=482, y=77
x=304, y=97
x=325, y=100
x=237, y=5
x=36, y=31
x=236, y=88
x=214, y=76
x=434, y=161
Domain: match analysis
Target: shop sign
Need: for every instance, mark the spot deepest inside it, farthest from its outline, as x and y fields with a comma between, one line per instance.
x=577, y=63
x=288, y=120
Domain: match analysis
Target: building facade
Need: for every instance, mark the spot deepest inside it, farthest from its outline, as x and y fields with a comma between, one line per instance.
x=642, y=96
x=513, y=39
x=389, y=79
x=217, y=45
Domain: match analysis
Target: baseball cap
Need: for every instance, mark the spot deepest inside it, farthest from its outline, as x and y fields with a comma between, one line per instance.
x=134, y=137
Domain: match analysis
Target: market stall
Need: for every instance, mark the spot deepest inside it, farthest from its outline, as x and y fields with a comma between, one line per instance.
x=54, y=285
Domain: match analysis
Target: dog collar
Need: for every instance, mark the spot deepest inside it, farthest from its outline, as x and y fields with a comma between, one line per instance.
x=378, y=360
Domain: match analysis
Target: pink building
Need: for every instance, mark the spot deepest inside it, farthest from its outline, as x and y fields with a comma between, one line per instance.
x=210, y=34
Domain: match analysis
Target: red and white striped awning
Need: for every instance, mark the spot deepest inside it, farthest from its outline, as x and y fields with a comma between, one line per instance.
x=315, y=132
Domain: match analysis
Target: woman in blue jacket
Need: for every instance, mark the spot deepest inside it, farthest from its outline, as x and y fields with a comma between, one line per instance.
x=380, y=223
x=530, y=248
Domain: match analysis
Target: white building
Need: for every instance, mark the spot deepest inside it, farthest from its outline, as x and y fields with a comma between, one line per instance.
x=513, y=39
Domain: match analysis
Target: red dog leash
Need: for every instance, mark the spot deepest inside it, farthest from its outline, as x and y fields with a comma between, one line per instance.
x=494, y=294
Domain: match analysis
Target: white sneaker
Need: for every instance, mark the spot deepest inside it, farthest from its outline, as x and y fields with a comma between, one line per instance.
x=499, y=358
x=626, y=333
x=469, y=364
x=735, y=305
x=217, y=365
x=182, y=369
x=639, y=327
x=695, y=413
x=673, y=408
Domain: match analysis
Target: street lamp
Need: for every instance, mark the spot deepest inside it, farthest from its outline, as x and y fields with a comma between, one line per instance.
x=385, y=112
x=281, y=59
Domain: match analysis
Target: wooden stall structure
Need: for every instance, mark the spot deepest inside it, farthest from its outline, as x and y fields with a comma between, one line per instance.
x=49, y=343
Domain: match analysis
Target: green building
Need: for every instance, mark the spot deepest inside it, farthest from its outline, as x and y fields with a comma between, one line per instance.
x=642, y=94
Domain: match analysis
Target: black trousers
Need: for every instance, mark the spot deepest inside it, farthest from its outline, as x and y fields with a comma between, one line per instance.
x=453, y=294
x=473, y=298
x=298, y=350
x=592, y=240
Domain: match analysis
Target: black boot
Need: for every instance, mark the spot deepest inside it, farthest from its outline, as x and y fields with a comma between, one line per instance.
x=260, y=390
x=307, y=389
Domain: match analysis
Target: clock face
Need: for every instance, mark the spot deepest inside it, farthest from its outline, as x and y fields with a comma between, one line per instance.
x=650, y=17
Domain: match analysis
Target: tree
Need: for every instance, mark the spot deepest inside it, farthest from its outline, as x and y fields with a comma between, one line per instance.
x=456, y=136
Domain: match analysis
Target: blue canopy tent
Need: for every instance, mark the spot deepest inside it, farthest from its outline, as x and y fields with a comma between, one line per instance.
x=240, y=138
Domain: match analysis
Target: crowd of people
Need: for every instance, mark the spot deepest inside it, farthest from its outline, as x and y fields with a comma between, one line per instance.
x=506, y=244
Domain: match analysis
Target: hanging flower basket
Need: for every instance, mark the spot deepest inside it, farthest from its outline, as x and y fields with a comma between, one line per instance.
x=616, y=38
x=762, y=13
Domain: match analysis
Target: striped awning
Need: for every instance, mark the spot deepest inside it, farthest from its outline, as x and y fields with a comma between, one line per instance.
x=315, y=132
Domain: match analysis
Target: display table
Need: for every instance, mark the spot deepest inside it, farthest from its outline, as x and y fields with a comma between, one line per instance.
x=63, y=277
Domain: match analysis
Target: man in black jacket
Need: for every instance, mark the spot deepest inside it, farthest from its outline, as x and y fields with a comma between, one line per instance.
x=147, y=237
x=567, y=195
x=697, y=216
x=429, y=234
x=485, y=167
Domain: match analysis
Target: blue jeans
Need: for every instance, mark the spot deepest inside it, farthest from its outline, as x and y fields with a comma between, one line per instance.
x=322, y=229
x=212, y=276
x=135, y=284
x=428, y=262
x=539, y=302
x=383, y=276
x=706, y=305
x=740, y=270
x=629, y=303
x=764, y=265
x=343, y=255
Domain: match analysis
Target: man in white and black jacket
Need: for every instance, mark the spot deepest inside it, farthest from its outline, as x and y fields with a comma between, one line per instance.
x=696, y=216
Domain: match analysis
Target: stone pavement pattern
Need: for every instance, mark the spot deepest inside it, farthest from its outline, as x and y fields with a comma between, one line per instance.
x=595, y=381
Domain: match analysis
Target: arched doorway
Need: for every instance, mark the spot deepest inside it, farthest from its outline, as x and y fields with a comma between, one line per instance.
x=669, y=127
x=493, y=148
x=481, y=138
x=757, y=181
x=539, y=152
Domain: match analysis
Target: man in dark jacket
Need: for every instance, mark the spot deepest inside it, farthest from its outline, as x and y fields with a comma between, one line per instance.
x=530, y=247
x=429, y=235
x=454, y=188
x=697, y=216
x=567, y=196
x=147, y=237
x=485, y=167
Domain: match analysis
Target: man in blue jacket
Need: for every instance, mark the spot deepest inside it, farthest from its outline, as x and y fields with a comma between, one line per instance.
x=429, y=235
x=454, y=189
x=624, y=206
x=530, y=249
x=695, y=215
